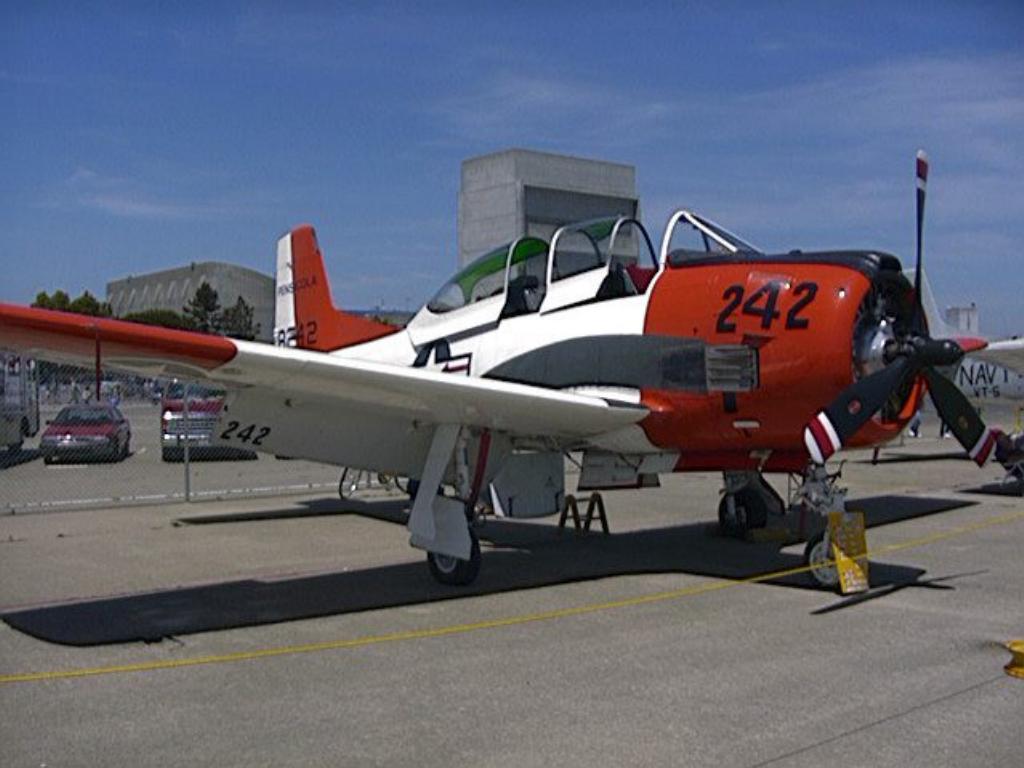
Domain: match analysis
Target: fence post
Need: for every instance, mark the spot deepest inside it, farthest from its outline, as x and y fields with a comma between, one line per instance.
x=187, y=434
x=99, y=368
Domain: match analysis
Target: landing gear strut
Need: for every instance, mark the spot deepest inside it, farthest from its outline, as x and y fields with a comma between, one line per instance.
x=442, y=525
x=750, y=503
x=817, y=497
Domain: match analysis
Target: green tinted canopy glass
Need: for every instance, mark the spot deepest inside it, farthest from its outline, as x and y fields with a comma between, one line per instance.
x=485, y=276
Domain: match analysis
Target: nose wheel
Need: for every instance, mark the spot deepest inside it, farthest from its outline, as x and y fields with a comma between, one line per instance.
x=818, y=556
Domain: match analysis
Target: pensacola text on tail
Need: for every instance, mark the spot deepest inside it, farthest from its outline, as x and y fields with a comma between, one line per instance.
x=305, y=315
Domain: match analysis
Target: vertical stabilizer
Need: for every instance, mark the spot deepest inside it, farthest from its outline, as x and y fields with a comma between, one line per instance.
x=305, y=315
x=937, y=326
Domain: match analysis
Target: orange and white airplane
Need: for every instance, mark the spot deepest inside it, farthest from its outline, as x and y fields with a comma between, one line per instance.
x=706, y=354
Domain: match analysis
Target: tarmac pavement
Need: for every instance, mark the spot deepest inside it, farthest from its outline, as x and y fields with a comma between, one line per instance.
x=304, y=631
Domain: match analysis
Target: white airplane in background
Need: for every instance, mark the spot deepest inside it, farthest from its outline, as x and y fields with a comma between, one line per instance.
x=994, y=374
x=985, y=382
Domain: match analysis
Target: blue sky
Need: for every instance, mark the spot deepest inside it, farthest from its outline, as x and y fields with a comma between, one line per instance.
x=141, y=136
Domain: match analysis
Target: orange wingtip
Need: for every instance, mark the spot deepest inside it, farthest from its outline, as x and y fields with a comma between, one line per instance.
x=67, y=334
x=970, y=343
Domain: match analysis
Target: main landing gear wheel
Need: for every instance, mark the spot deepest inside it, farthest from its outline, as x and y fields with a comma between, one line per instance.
x=453, y=571
x=818, y=556
x=751, y=511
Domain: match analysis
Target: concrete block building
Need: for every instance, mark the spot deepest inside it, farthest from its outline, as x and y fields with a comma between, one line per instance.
x=522, y=192
x=172, y=289
x=964, y=319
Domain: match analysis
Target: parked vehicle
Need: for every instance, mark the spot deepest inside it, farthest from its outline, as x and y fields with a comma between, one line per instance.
x=198, y=430
x=86, y=432
x=19, y=400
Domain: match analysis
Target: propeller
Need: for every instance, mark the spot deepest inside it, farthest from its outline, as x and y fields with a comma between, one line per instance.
x=916, y=353
x=918, y=322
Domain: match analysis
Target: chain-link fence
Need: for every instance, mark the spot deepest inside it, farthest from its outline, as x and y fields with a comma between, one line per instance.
x=63, y=445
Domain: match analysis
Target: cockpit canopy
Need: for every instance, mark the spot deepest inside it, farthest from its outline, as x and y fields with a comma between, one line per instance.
x=588, y=261
x=485, y=276
x=530, y=263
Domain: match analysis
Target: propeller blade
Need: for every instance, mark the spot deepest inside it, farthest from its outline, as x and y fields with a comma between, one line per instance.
x=961, y=417
x=922, y=188
x=831, y=428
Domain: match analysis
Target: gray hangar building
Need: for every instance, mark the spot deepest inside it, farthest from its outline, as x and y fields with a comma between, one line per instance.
x=519, y=192
x=172, y=289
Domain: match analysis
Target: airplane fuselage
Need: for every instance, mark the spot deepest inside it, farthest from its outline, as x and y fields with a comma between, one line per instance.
x=804, y=313
x=985, y=382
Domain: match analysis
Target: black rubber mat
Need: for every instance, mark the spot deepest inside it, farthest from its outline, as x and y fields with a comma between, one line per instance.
x=1012, y=488
x=516, y=555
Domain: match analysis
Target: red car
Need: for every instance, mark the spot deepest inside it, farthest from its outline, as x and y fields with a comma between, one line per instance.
x=83, y=432
x=199, y=430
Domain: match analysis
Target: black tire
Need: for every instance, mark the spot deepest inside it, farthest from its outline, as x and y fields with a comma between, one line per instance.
x=454, y=572
x=47, y=460
x=751, y=513
x=172, y=454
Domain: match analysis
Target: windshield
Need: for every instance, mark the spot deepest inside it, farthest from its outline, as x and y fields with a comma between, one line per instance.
x=176, y=391
x=483, y=277
x=693, y=237
x=83, y=415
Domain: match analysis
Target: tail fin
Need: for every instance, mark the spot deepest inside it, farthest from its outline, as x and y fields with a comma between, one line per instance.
x=937, y=326
x=305, y=315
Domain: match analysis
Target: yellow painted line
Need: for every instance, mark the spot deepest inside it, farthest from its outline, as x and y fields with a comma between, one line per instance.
x=510, y=621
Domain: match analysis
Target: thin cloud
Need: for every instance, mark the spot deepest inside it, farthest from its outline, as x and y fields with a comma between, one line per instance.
x=513, y=108
x=127, y=198
x=959, y=98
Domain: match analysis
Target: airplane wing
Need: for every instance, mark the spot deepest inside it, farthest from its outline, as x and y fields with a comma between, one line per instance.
x=1009, y=354
x=311, y=397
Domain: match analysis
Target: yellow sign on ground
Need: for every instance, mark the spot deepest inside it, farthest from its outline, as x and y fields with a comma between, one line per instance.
x=1016, y=665
x=849, y=550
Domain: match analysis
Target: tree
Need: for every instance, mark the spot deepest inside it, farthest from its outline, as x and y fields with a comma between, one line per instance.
x=166, y=318
x=237, y=321
x=203, y=310
x=86, y=304
x=59, y=301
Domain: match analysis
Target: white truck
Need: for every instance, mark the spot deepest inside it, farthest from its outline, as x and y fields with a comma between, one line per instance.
x=19, y=400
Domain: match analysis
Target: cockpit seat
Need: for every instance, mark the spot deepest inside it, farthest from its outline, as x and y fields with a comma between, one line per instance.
x=617, y=284
x=641, y=276
x=523, y=296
